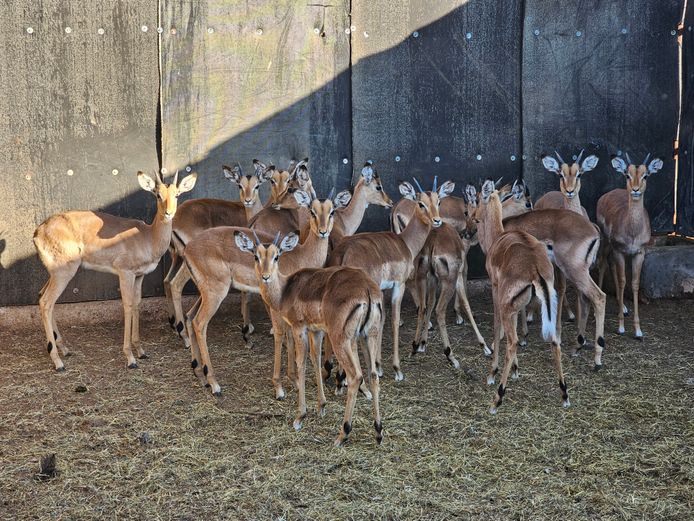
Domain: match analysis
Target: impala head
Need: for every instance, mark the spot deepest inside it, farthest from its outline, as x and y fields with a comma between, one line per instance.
x=322, y=212
x=427, y=202
x=167, y=195
x=266, y=256
x=517, y=200
x=470, y=198
x=375, y=194
x=570, y=175
x=249, y=185
x=636, y=174
x=286, y=182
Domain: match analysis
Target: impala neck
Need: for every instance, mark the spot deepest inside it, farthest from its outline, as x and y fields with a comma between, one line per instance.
x=303, y=218
x=161, y=231
x=574, y=204
x=273, y=291
x=312, y=253
x=353, y=214
x=253, y=210
x=415, y=234
x=491, y=223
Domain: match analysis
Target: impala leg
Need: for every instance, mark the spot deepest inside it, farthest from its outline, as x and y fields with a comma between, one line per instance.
x=447, y=292
x=127, y=292
x=208, y=307
x=373, y=343
x=300, y=357
x=178, y=282
x=636, y=265
x=509, y=323
x=328, y=364
x=431, y=283
x=569, y=312
x=278, y=335
x=620, y=282
x=316, y=342
x=418, y=289
x=58, y=281
x=556, y=356
x=354, y=378
x=175, y=266
x=560, y=284
x=137, y=298
x=396, y=300
x=461, y=282
x=461, y=294
x=496, y=346
x=196, y=360
x=248, y=327
x=59, y=339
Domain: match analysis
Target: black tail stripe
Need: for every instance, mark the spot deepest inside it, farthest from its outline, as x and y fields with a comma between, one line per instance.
x=590, y=248
x=545, y=290
x=178, y=237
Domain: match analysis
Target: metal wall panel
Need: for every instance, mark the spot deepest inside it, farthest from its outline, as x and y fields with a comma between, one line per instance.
x=436, y=80
x=255, y=79
x=602, y=74
x=685, y=186
x=78, y=103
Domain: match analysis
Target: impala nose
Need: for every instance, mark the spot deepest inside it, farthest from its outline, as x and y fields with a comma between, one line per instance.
x=266, y=278
x=570, y=194
x=437, y=223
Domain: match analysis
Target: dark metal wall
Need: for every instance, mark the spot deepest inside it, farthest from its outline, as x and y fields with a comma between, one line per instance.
x=462, y=89
x=685, y=185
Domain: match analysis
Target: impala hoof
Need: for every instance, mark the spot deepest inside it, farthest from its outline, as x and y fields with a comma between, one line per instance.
x=487, y=352
x=597, y=367
x=399, y=377
x=60, y=369
x=459, y=320
x=523, y=343
x=490, y=380
x=566, y=404
x=492, y=410
x=279, y=394
x=297, y=424
x=132, y=365
x=143, y=356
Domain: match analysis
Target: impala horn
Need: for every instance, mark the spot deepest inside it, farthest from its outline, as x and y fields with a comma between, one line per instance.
x=561, y=160
x=418, y=185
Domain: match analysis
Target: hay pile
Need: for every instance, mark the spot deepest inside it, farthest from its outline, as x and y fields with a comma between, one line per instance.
x=152, y=443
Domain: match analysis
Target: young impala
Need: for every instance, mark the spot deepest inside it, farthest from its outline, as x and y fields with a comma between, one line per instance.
x=518, y=266
x=343, y=302
x=626, y=226
x=125, y=247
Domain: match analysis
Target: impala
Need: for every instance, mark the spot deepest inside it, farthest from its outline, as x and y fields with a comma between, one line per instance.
x=342, y=302
x=626, y=226
x=518, y=266
x=125, y=247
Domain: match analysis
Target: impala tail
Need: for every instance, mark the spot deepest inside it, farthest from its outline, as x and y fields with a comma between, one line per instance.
x=548, y=300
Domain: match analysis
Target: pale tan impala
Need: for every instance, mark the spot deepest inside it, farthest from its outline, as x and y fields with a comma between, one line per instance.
x=125, y=247
x=368, y=190
x=626, y=227
x=197, y=215
x=280, y=181
x=567, y=198
x=388, y=257
x=342, y=302
x=518, y=266
x=215, y=265
x=575, y=244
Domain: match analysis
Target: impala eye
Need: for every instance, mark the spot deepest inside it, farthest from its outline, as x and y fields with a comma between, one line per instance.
x=257, y=259
x=276, y=258
x=421, y=205
x=332, y=212
x=379, y=188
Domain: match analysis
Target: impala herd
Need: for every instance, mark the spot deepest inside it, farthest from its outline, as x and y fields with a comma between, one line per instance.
x=322, y=282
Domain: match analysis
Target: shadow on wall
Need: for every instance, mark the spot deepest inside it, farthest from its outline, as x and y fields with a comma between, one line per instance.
x=446, y=102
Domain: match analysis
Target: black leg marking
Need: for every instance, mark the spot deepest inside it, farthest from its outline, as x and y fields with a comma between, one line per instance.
x=597, y=367
x=379, y=432
x=347, y=427
x=414, y=347
x=179, y=327
x=601, y=341
x=514, y=367
x=49, y=347
x=194, y=364
x=172, y=321
x=447, y=351
x=55, y=335
x=204, y=370
x=581, y=340
x=340, y=377
x=502, y=391
x=244, y=330
x=564, y=389
x=328, y=365
x=496, y=371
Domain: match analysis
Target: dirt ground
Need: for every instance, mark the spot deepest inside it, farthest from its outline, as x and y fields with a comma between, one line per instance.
x=152, y=443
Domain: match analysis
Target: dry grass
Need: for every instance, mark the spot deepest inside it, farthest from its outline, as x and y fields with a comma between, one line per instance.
x=623, y=450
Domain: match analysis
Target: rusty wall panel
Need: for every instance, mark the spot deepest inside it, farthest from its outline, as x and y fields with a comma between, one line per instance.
x=74, y=101
x=255, y=79
x=602, y=74
x=436, y=79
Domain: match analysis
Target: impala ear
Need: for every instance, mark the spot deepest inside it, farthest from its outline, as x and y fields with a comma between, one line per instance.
x=518, y=190
x=487, y=189
x=188, y=183
x=302, y=174
x=655, y=165
x=146, y=182
x=289, y=243
x=620, y=165
x=367, y=173
x=551, y=164
x=342, y=199
x=232, y=173
x=446, y=189
x=243, y=242
x=407, y=191
x=470, y=194
x=303, y=199
x=589, y=163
